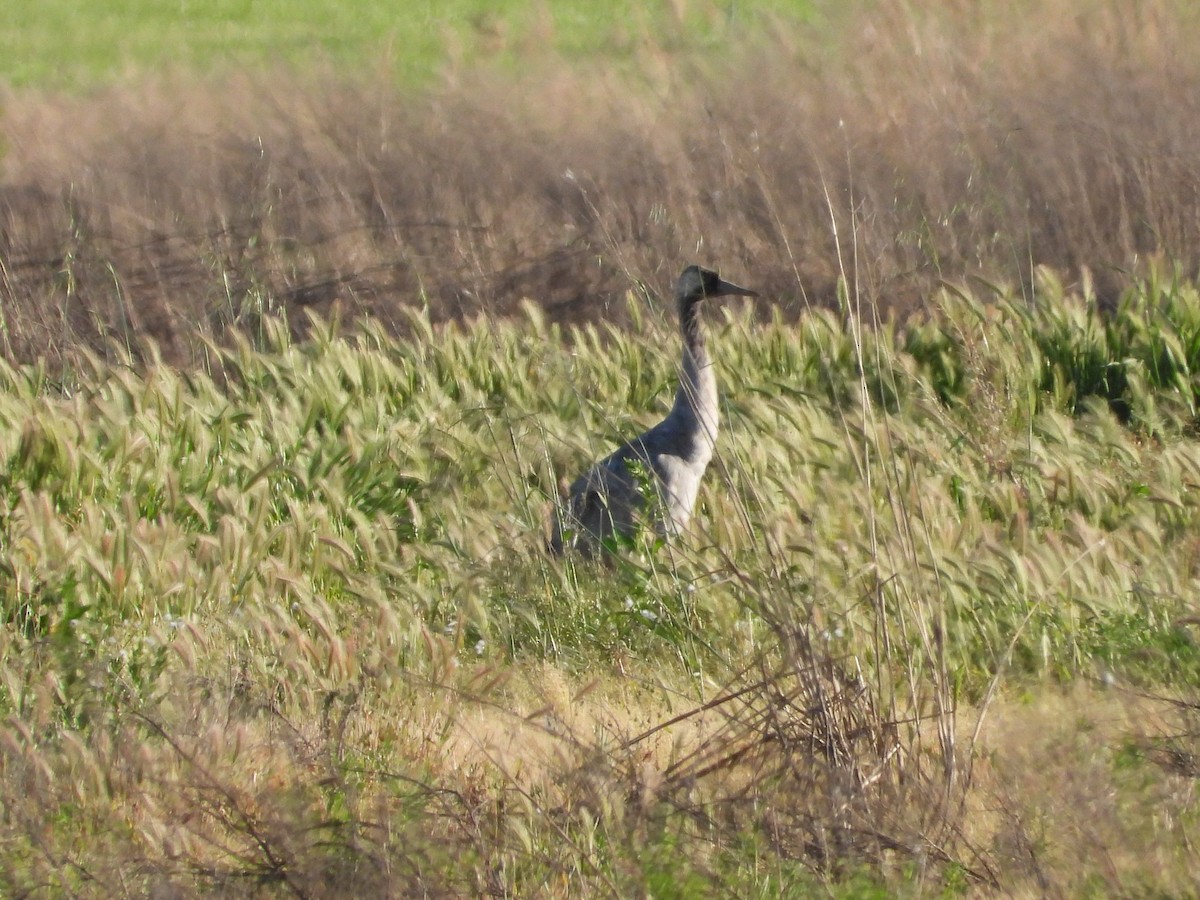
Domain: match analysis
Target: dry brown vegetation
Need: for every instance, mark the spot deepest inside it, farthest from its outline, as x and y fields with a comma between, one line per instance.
x=941, y=141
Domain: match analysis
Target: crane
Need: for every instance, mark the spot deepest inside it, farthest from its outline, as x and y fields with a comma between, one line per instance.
x=671, y=456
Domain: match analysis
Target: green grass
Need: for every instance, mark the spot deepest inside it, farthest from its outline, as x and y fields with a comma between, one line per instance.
x=67, y=44
x=424, y=469
x=290, y=580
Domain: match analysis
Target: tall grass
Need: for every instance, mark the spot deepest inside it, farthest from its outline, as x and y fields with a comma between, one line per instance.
x=277, y=616
x=286, y=625
x=954, y=143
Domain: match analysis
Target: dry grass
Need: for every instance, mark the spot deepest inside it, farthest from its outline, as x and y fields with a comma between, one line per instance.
x=944, y=141
x=1065, y=800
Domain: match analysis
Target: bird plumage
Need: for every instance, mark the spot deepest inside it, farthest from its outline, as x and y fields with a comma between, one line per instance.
x=666, y=463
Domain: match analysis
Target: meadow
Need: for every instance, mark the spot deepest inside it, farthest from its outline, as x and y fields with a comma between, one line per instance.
x=135, y=39
x=288, y=625
x=296, y=363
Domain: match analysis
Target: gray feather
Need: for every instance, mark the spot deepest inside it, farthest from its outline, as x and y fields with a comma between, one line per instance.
x=609, y=498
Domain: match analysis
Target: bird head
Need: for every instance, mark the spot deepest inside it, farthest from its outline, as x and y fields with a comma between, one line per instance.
x=695, y=283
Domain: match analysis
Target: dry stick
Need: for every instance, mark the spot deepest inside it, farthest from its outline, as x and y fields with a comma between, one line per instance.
x=945, y=729
x=946, y=715
x=277, y=865
x=692, y=713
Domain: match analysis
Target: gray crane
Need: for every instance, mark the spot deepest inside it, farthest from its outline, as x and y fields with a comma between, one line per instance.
x=604, y=501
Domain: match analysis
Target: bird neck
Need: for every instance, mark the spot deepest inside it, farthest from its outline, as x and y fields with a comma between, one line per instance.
x=696, y=401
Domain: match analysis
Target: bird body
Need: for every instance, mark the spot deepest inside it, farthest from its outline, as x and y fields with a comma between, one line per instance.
x=665, y=464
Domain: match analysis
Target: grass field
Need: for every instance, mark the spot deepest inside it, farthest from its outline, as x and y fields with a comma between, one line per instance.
x=289, y=623
x=63, y=44
x=296, y=360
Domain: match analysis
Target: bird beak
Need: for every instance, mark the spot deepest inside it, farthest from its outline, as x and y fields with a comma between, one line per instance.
x=729, y=289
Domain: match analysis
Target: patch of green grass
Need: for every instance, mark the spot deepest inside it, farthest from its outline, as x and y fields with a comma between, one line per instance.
x=65, y=44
